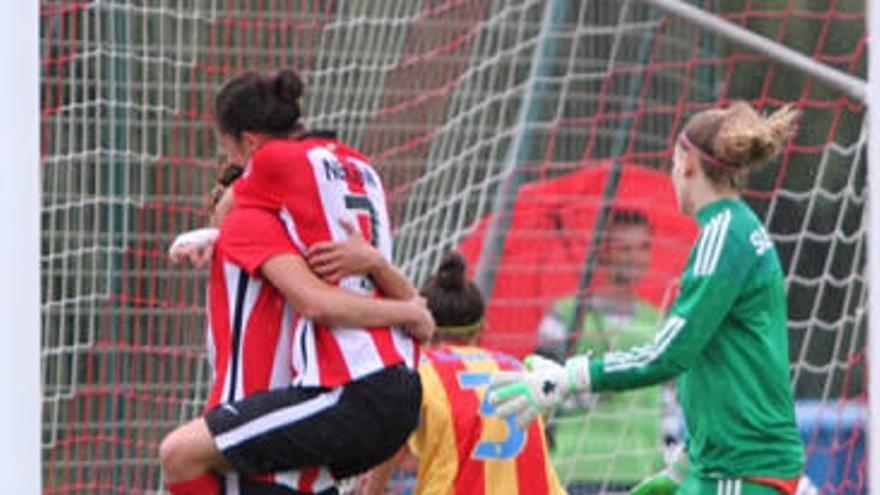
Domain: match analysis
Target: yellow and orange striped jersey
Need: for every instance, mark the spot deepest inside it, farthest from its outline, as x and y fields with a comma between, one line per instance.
x=462, y=446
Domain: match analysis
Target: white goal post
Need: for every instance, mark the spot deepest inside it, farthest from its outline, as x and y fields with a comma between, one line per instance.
x=20, y=249
x=466, y=107
x=874, y=245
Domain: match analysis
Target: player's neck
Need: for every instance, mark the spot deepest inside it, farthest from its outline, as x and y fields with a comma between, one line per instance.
x=709, y=195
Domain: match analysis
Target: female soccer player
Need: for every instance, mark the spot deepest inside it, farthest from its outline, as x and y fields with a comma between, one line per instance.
x=462, y=446
x=726, y=335
x=308, y=376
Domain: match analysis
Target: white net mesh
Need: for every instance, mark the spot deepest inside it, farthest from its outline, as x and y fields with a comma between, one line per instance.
x=458, y=102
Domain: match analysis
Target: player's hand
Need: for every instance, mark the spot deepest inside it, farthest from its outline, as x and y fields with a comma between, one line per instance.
x=195, y=247
x=333, y=260
x=544, y=386
x=422, y=327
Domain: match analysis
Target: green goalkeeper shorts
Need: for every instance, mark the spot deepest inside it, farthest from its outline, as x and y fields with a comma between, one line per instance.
x=695, y=486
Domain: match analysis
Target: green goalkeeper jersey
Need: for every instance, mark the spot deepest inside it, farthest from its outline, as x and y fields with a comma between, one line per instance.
x=726, y=339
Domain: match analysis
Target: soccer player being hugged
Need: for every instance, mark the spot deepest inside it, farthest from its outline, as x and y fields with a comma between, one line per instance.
x=313, y=381
x=462, y=446
x=725, y=337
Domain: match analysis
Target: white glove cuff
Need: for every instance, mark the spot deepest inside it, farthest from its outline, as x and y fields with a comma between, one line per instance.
x=578, y=371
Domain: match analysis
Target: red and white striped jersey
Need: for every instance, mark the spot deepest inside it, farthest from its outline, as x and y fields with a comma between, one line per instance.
x=250, y=328
x=311, y=184
x=249, y=337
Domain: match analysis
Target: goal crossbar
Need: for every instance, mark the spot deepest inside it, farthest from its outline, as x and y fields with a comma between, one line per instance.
x=851, y=85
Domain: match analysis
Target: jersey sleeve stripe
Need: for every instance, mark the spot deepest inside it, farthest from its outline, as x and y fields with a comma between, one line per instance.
x=644, y=352
x=643, y=356
x=725, y=229
x=717, y=246
x=705, y=239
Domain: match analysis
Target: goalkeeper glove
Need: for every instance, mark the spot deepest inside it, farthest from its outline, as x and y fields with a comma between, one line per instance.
x=668, y=481
x=546, y=384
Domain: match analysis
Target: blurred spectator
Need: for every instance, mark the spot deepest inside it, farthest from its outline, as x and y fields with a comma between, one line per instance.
x=621, y=440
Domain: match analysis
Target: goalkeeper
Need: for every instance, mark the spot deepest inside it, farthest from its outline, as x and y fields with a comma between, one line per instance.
x=726, y=335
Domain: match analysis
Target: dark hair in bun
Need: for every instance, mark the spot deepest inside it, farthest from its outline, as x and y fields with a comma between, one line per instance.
x=255, y=102
x=453, y=300
x=450, y=275
x=288, y=86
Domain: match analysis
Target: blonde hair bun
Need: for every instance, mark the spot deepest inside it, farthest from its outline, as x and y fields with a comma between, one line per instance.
x=748, y=139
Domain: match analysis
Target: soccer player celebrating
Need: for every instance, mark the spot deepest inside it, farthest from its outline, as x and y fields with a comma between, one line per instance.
x=312, y=382
x=726, y=335
x=462, y=446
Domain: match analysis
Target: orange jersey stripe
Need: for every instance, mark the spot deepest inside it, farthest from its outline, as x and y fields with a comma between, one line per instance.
x=433, y=441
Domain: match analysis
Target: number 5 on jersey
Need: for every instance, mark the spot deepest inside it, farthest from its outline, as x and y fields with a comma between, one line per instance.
x=510, y=446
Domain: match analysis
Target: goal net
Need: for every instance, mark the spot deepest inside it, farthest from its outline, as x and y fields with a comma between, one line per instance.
x=512, y=130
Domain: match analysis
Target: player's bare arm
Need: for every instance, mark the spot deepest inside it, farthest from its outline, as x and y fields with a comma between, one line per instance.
x=355, y=256
x=319, y=301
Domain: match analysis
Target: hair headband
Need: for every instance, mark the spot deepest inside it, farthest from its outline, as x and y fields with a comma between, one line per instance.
x=459, y=330
x=686, y=143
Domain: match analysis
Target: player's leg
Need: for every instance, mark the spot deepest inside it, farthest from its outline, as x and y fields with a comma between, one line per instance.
x=192, y=462
x=190, y=459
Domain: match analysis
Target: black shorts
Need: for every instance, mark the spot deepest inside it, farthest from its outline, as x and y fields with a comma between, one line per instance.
x=349, y=429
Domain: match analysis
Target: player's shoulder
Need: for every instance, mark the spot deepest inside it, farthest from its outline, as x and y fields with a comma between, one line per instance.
x=363, y=163
x=456, y=355
x=276, y=162
x=247, y=220
x=747, y=236
x=727, y=229
x=730, y=219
